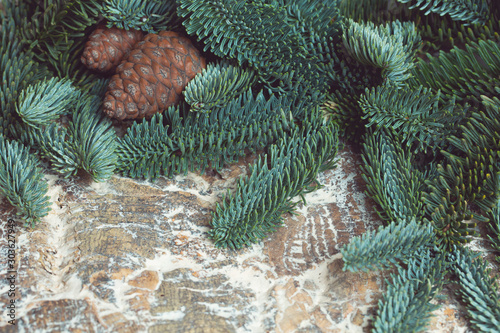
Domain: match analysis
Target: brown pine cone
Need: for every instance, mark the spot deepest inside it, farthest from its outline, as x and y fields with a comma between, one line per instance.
x=107, y=47
x=153, y=76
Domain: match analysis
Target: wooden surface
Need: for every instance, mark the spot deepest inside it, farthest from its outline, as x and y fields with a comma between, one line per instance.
x=133, y=256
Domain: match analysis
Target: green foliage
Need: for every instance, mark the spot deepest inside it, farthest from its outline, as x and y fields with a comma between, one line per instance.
x=478, y=289
x=405, y=306
x=18, y=71
x=218, y=84
x=390, y=47
x=468, y=11
x=21, y=181
x=413, y=115
x=262, y=34
x=363, y=10
x=462, y=75
x=289, y=169
x=147, y=15
x=44, y=102
x=442, y=33
x=52, y=27
x=89, y=142
x=198, y=140
x=470, y=176
x=392, y=179
x=386, y=246
x=495, y=228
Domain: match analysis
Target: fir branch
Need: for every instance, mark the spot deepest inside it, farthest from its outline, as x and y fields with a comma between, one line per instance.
x=363, y=10
x=392, y=179
x=289, y=169
x=468, y=11
x=256, y=33
x=414, y=115
x=494, y=226
x=384, y=247
x=18, y=70
x=216, y=85
x=198, y=140
x=45, y=101
x=89, y=142
x=406, y=307
x=55, y=145
x=463, y=75
x=390, y=47
x=21, y=181
x=478, y=289
x=94, y=139
x=54, y=26
x=469, y=176
x=147, y=15
x=447, y=203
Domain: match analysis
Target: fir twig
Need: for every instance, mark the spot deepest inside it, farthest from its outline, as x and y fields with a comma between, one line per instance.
x=392, y=180
x=384, y=247
x=405, y=306
x=478, y=289
x=288, y=170
x=44, y=102
x=21, y=181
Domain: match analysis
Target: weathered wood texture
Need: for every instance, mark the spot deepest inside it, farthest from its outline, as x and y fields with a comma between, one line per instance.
x=133, y=256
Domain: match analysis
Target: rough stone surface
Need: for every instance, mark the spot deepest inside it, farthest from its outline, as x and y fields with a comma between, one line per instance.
x=133, y=256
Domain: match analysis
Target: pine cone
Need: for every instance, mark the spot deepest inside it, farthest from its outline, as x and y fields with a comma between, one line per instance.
x=107, y=47
x=153, y=76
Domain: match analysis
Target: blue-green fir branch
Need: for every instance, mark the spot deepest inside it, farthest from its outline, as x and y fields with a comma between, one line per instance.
x=147, y=15
x=53, y=27
x=386, y=246
x=216, y=85
x=469, y=176
x=405, y=306
x=255, y=33
x=461, y=74
x=479, y=290
x=255, y=209
x=494, y=235
x=88, y=143
x=22, y=182
x=392, y=179
x=94, y=139
x=195, y=141
x=18, y=69
x=390, y=47
x=414, y=115
x=45, y=101
x=467, y=11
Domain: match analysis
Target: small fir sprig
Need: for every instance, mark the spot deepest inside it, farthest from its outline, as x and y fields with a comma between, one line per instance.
x=22, y=182
x=386, y=246
x=88, y=143
x=405, y=306
x=289, y=169
x=216, y=85
x=414, y=115
x=147, y=15
x=392, y=179
x=478, y=289
x=390, y=47
x=42, y=103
